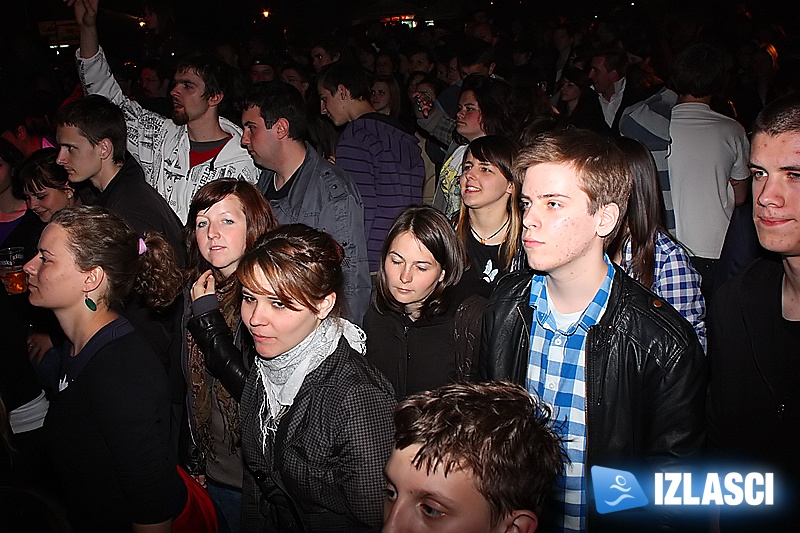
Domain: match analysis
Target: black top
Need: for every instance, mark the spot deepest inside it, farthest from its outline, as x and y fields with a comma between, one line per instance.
x=754, y=392
x=131, y=197
x=422, y=354
x=18, y=383
x=108, y=435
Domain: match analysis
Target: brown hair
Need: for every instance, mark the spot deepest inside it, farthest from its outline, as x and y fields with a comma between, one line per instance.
x=255, y=207
x=433, y=230
x=40, y=171
x=498, y=431
x=98, y=237
x=302, y=264
x=782, y=115
x=499, y=151
x=599, y=164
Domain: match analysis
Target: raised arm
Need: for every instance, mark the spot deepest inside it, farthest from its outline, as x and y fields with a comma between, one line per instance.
x=86, y=17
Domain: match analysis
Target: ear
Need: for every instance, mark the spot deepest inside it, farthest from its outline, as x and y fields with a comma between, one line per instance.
x=491, y=68
x=22, y=133
x=326, y=306
x=281, y=128
x=94, y=278
x=441, y=276
x=215, y=100
x=607, y=218
x=106, y=148
x=343, y=92
x=521, y=521
x=304, y=85
x=510, y=187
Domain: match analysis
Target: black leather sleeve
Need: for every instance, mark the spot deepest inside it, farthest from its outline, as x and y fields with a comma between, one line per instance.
x=189, y=454
x=223, y=359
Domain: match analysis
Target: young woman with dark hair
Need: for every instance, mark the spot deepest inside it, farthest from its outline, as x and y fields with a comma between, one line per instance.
x=316, y=428
x=647, y=252
x=577, y=102
x=45, y=185
x=490, y=220
x=423, y=327
x=227, y=217
x=108, y=426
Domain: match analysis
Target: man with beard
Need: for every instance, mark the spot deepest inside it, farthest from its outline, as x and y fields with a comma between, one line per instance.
x=181, y=154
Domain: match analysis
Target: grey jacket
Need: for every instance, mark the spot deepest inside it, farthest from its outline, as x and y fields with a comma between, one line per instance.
x=324, y=197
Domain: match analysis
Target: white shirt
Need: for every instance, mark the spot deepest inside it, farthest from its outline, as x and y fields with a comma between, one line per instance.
x=610, y=107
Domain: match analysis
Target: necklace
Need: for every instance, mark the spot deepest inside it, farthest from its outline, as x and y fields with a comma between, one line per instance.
x=490, y=237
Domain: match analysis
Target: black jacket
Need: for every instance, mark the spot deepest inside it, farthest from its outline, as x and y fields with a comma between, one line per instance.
x=754, y=392
x=323, y=469
x=646, y=382
x=433, y=350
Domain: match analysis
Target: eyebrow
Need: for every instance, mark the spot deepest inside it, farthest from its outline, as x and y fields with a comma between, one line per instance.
x=789, y=168
x=187, y=81
x=423, y=262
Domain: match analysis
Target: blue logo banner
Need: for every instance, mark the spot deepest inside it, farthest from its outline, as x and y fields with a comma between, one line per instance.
x=616, y=490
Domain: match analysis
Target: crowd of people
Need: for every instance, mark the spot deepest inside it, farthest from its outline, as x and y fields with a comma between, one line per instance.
x=413, y=280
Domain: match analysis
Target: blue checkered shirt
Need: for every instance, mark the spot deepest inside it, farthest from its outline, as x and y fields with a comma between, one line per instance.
x=676, y=281
x=557, y=373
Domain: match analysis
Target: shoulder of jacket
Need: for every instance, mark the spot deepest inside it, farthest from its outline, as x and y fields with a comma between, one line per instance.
x=654, y=319
x=512, y=286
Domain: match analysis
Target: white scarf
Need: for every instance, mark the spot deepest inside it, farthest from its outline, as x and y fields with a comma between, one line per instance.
x=282, y=376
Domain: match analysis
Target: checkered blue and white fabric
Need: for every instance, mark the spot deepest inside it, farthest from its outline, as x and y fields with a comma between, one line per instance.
x=676, y=281
x=557, y=373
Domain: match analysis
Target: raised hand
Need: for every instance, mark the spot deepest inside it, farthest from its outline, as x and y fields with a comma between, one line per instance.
x=85, y=12
x=204, y=285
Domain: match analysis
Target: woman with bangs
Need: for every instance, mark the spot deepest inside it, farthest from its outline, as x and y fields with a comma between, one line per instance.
x=226, y=218
x=423, y=327
x=45, y=184
x=490, y=220
x=316, y=417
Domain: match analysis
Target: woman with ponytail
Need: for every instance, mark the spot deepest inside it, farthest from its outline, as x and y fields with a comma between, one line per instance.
x=108, y=426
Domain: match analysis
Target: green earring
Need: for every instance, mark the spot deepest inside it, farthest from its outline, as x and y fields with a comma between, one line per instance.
x=89, y=303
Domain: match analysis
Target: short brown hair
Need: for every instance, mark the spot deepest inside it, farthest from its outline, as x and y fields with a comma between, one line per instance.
x=497, y=430
x=779, y=116
x=600, y=165
x=302, y=264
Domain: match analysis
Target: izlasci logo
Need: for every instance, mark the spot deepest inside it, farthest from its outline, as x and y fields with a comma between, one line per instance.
x=616, y=490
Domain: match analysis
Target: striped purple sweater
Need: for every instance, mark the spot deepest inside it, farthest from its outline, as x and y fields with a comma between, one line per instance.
x=386, y=164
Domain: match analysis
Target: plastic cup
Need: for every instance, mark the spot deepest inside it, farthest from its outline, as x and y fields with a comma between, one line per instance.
x=11, y=262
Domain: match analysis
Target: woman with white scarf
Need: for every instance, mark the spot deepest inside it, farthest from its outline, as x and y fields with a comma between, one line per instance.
x=316, y=416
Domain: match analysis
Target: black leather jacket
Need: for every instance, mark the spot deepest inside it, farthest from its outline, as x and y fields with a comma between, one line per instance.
x=646, y=381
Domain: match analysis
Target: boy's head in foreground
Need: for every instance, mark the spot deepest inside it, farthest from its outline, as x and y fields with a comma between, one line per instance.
x=471, y=458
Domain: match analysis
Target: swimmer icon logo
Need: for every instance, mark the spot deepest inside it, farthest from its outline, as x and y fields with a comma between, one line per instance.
x=616, y=490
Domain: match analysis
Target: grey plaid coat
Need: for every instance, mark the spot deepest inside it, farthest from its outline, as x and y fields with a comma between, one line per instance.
x=323, y=470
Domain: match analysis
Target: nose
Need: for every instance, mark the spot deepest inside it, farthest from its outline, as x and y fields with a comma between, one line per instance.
x=322, y=108
x=174, y=91
x=258, y=317
x=32, y=202
x=530, y=219
x=62, y=156
x=768, y=192
x=246, y=137
x=393, y=518
x=212, y=231
x=405, y=275
x=30, y=268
